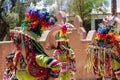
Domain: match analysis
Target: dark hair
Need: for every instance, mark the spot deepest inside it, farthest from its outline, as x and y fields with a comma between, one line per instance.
x=52, y=19
x=66, y=44
x=10, y=56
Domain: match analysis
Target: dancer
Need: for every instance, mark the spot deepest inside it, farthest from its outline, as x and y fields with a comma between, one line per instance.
x=103, y=55
x=31, y=61
x=66, y=56
x=9, y=73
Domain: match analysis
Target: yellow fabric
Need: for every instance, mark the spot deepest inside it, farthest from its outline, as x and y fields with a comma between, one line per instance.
x=63, y=57
x=41, y=60
x=24, y=75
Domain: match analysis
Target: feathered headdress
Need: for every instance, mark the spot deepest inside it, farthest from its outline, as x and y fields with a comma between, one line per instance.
x=32, y=27
x=106, y=31
x=35, y=22
x=63, y=33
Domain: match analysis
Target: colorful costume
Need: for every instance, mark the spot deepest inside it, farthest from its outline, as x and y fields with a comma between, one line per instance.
x=103, y=55
x=9, y=73
x=66, y=56
x=31, y=61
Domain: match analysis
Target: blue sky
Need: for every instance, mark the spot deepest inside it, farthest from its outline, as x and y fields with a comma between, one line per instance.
x=118, y=3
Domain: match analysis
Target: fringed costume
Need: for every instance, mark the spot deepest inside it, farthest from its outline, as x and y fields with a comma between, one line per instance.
x=66, y=56
x=103, y=55
x=31, y=61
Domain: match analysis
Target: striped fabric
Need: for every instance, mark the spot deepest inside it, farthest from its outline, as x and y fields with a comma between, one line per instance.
x=53, y=62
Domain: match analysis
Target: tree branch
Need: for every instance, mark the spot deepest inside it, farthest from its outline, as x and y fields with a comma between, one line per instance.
x=1, y=3
x=13, y=3
x=1, y=9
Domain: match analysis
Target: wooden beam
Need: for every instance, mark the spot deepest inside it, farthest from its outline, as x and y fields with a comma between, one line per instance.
x=114, y=7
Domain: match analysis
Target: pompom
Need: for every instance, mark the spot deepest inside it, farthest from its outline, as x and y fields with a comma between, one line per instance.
x=36, y=21
x=63, y=33
x=105, y=33
x=118, y=38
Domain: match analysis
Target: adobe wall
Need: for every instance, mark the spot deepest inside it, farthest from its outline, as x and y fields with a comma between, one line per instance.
x=79, y=47
x=77, y=33
x=7, y=47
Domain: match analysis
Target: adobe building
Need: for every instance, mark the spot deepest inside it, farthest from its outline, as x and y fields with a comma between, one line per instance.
x=78, y=40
